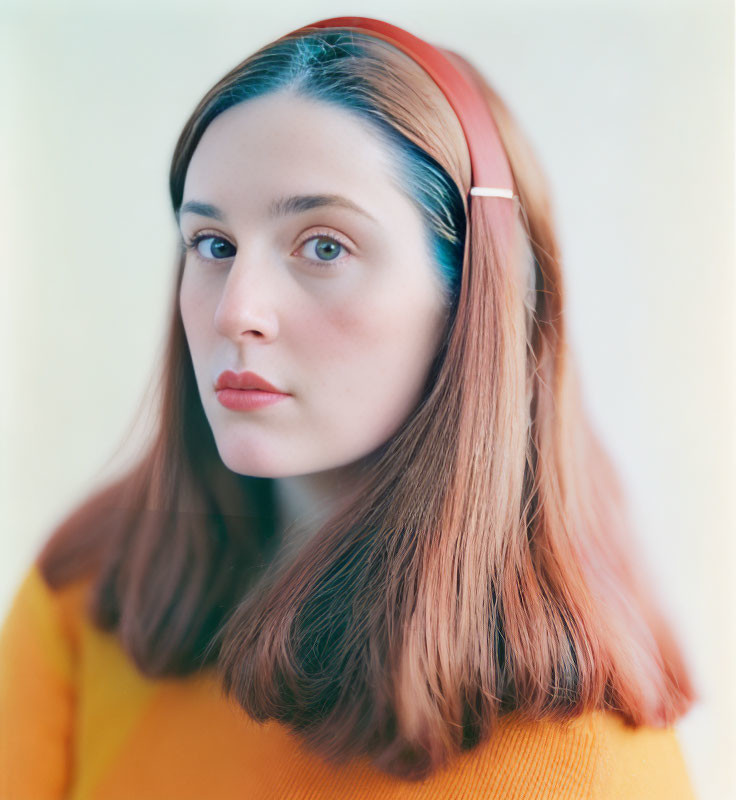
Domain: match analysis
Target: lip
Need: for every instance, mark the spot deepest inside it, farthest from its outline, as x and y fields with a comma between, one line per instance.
x=245, y=380
x=243, y=391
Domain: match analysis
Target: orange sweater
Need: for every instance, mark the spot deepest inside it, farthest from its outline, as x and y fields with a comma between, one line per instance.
x=80, y=722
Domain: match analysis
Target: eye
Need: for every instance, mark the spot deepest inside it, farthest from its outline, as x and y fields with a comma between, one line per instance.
x=217, y=251
x=326, y=248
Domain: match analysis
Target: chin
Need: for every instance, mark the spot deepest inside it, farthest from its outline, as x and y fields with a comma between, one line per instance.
x=247, y=461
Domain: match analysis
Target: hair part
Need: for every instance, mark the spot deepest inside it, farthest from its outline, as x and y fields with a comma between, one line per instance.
x=486, y=566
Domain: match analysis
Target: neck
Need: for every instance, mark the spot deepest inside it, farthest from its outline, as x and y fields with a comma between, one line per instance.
x=304, y=502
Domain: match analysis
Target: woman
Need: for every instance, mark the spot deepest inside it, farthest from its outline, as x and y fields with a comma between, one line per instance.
x=375, y=548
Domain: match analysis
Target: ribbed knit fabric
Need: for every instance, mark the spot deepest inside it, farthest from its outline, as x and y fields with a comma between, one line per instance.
x=79, y=722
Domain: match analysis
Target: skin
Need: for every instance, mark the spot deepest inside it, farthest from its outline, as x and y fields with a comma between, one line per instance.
x=348, y=331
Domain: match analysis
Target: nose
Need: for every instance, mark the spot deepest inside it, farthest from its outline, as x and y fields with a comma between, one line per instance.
x=245, y=308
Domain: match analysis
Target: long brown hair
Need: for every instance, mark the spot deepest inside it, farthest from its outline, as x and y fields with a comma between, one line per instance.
x=486, y=565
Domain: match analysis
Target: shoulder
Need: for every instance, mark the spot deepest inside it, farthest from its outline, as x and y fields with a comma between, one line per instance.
x=50, y=619
x=641, y=761
x=38, y=657
x=594, y=756
x=544, y=758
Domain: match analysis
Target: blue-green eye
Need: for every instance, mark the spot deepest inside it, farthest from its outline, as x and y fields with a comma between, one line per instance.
x=326, y=248
x=219, y=249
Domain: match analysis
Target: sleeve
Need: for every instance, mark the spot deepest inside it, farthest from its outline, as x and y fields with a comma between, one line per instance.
x=36, y=695
x=645, y=762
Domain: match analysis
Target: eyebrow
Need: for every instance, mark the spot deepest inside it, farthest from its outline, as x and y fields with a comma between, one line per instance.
x=283, y=206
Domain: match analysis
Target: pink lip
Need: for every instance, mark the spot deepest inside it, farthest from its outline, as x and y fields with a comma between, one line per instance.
x=246, y=390
x=244, y=380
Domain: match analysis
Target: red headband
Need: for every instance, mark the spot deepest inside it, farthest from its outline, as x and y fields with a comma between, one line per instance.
x=490, y=171
x=489, y=165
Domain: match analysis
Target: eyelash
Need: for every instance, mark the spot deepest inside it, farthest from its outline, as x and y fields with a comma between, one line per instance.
x=192, y=244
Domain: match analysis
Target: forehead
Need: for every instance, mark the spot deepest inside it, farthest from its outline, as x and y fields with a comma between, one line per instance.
x=283, y=143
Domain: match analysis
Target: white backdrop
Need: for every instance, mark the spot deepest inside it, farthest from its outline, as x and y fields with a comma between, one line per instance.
x=630, y=108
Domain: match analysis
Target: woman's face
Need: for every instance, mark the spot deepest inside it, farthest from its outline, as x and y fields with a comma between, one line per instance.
x=313, y=273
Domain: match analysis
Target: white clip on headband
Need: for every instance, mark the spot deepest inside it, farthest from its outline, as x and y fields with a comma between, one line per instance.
x=486, y=191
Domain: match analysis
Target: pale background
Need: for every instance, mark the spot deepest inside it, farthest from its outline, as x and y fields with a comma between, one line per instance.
x=630, y=108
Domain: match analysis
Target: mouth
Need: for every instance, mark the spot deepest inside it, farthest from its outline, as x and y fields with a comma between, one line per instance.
x=246, y=381
x=246, y=391
x=248, y=399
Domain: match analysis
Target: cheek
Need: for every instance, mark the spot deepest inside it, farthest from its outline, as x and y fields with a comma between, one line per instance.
x=193, y=302
x=357, y=330
x=401, y=321
x=185, y=299
x=366, y=347
x=194, y=316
